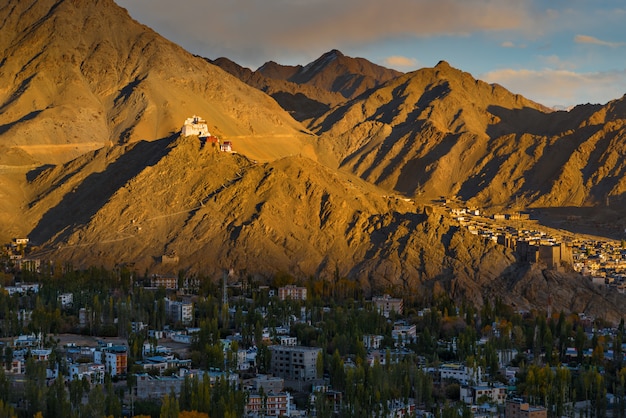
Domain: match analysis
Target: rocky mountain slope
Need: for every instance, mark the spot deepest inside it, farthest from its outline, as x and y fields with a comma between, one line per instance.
x=311, y=90
x=440, y=132
x=77, y=75
x=93, y=169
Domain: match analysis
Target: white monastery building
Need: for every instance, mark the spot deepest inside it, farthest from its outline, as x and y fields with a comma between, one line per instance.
x=195, y=126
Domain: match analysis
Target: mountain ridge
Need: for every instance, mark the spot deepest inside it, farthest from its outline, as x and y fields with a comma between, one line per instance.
x=96, y=171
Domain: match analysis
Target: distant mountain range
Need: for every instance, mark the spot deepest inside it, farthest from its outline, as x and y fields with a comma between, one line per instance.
x=336, y=162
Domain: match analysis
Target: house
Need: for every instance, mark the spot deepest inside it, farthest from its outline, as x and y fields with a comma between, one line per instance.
x=386, y=304
x=292, y=292
x=477, y=394
x=517, y=408
x=167, y=282
x=226, y=146
x=403, y=334
x=372, y=342
x=65, y=299
x=271, y=405
x=461, y=373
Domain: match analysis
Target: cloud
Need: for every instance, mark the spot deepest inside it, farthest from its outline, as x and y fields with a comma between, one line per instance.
x=507, y=44
x=400, y=61
x=561, y=87
x=277, y=28
x=586, y=39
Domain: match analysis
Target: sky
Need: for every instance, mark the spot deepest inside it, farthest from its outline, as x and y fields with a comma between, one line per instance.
x=556, y=52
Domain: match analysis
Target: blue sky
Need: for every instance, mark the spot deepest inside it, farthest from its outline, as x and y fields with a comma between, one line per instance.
x=558, y=53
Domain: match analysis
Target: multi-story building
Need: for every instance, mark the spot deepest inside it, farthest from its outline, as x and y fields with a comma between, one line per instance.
x=294, y=362
x=278, y=404
x=292, y=292
x=461, y=373
x=517, y=408
x=386, y=304
x=179, y=311
x=114, y=358
x=404, y=334
x=167, y=282
x=473, y=394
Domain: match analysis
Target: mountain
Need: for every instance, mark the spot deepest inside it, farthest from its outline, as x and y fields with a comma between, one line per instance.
x=440, y=132
x=77, y=75
x=311, y=90
x=334, y=72
x=94, y=171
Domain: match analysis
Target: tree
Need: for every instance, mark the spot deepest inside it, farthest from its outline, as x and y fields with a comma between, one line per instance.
x=169, y=407
x=35, y=386
x=57, y=405
x=5, y=386
x=6, y=411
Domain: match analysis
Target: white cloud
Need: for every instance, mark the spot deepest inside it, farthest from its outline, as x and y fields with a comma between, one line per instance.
x=555, y=62
x=397, y=61
x=561, y=87
x=259, y=30
x=507, y=44
x=586, y=39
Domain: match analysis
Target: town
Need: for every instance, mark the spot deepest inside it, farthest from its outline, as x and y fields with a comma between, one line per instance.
x=115, y=343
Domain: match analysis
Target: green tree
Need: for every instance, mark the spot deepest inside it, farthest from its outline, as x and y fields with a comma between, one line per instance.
x=35, y=386
x=169, y=407
x=58, y=404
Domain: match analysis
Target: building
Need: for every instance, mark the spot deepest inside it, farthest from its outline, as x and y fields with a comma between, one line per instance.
x=156, y=387
x=179, y=311
x=271, y=405
x=278, y=404
x=65, y=299
x=461, y=373
x=114, y=358
x=292, y=292
x=226, y=146
x=372, y=342
x=22, y=288
x=517, y=408
x=386, y=304
x=167, y=282
x=195, y=126
x=269, y=384
x=404, y=334
x=294, y=363
x=475, y=394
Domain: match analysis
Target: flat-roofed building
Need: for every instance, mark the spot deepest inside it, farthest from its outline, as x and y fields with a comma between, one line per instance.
x=294, y=362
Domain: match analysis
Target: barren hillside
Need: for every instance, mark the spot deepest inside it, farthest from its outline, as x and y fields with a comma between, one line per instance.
x=440, y=132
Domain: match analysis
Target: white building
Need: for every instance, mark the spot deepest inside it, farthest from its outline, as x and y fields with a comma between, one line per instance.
x=195, y=126
x=66, y=299
x=461, y=373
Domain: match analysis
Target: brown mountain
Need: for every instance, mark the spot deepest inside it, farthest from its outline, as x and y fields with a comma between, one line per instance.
x=77, y=75
x=311, y=90
x=438, y=131
x=333, y=72
x=291, y=215
x=95, y=172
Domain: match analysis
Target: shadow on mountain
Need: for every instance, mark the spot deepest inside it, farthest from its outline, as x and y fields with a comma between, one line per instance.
x=32, y=174
x=32, y=115
x=602, y=221
x=535, y=122
x=300, y=106
x=80, y=205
